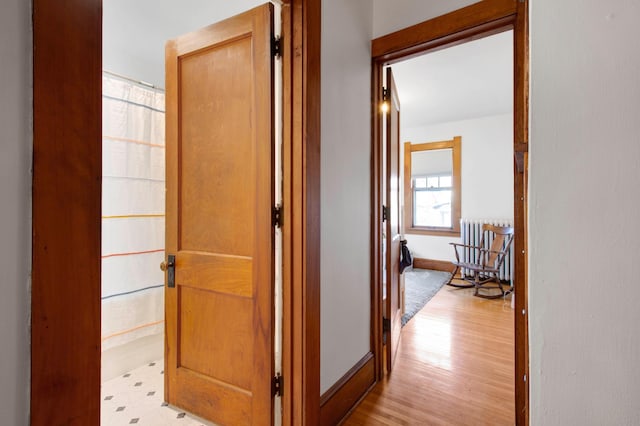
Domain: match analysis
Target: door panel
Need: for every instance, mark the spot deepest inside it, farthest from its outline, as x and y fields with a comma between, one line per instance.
x=219, y=316
x=393, y=308
x=208, y=108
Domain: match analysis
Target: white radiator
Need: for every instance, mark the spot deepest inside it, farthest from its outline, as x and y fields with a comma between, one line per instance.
x=471, y=234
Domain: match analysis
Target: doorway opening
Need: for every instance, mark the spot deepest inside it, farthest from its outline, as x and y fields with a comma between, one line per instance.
x=455, y=155
x=65, y=320
x=422, y=228
x=455, y=167
x=185, y=289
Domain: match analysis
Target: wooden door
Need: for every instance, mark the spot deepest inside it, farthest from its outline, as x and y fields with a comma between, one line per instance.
x=393, y=308
x=219, y=315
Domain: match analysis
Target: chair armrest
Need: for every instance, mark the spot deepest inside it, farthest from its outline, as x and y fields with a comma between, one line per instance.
x=465, y=245
x=455, y=249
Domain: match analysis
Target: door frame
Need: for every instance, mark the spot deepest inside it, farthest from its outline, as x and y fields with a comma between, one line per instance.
x=66, y=209
x=478, y=20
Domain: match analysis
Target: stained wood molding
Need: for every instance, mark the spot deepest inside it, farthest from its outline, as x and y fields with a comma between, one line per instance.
x=455, y=145
x=341, y=398
x=435, y=265
x=486, y=17
x=67, y=172
x=301, y=209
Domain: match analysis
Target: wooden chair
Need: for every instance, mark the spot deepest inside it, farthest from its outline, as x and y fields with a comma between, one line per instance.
x=484, y=261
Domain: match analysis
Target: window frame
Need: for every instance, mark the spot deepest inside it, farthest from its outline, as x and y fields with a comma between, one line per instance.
x=456, y=185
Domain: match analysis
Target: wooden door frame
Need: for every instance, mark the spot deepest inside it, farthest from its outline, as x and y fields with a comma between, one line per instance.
x=478, y=20
x=66, y=226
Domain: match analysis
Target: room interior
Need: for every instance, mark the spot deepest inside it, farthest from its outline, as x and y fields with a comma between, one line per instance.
x=582, y=94
x=464, y=90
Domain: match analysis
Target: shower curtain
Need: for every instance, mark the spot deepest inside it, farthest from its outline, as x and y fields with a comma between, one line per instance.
x=133, y=207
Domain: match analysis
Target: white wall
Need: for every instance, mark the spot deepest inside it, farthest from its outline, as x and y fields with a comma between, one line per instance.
x=584, y=221
x=345, y=187
x=394, y=15
x=135, y=32
x=15, y=209
x=486, y=174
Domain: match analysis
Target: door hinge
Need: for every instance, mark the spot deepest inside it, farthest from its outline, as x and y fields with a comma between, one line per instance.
x=277, y=216
x=277, y=385
x=385, y=93
x=386, y=325
x=519, y=156
x=276, y=47
x=385, y=213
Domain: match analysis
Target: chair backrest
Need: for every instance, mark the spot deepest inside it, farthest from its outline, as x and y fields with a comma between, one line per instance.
x=503, y=235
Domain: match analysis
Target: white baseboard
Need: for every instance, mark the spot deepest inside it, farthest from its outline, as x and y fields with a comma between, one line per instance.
x=117, y=361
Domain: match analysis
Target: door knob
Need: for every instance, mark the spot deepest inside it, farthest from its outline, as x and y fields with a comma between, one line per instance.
x=164, y=266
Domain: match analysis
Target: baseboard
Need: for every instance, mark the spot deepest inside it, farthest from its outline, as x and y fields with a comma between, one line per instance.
x=434, y=265
x=121, y=359
x=341, y=398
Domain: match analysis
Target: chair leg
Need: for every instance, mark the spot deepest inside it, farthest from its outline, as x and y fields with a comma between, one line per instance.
x=487, y=296
x=453, y=274
x=476, y=283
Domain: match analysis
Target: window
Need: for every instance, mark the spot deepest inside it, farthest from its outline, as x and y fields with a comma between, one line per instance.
x=432, y=187
x=432, y=201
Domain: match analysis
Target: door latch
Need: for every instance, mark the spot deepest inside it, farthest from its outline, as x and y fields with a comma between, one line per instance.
x=170, y=268
x=277, y=385
x=385, y=213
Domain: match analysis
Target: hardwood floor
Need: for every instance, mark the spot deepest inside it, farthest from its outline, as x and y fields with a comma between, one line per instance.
x=455, y=366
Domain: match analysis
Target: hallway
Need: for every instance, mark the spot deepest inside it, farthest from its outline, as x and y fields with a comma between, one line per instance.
x=455, y=366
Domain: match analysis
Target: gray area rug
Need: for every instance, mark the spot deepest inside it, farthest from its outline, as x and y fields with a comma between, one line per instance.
x=420, y=285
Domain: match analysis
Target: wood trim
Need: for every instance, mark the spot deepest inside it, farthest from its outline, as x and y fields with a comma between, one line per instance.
x=337, y=402
x=521, y=143
x=432, y=231
x=311, y=93
x=455, y=145
x=456, y=202
x=415, y=147
x=287, y=222
x=479, y=20
x=406, y=188
x=435, y=265
x=67, y=173
x=483, y=18
x=376, y=220
x=302, y=212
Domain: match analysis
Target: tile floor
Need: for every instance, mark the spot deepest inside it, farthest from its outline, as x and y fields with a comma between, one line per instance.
x=137, y=398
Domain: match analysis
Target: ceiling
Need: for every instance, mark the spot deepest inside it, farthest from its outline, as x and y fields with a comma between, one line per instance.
x=470, y=80
x=135, y=32
x=465, y=81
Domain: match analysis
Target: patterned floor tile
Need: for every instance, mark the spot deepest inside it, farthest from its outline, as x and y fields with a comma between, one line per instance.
x=137, y=397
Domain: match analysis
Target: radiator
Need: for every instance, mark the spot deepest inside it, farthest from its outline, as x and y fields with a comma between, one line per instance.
x=471, y=234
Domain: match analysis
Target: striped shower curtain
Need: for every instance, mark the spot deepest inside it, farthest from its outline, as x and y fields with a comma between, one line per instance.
x=133, y=204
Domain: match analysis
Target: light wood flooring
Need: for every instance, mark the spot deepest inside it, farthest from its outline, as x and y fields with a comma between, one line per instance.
x=455, y=366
